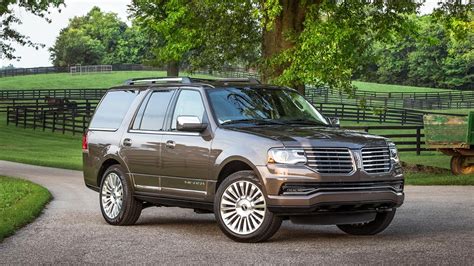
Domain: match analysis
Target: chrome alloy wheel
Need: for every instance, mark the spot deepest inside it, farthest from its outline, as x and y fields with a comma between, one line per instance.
x=243, y=207
x=112, y=195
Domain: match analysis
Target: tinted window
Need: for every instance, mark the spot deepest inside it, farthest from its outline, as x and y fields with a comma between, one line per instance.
x=189, y=103
x=155, y=110
x=250, y=105
x=112, y=109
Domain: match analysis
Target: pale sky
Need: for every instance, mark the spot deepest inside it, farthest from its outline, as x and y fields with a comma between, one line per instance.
x=42, y=32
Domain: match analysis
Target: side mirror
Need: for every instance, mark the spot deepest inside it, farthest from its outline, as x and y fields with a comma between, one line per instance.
x=335, y=122
x=190, y=123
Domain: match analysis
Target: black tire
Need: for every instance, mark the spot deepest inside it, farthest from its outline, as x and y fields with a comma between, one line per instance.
x=267, y=228
x=381, y=222
x=130, y=209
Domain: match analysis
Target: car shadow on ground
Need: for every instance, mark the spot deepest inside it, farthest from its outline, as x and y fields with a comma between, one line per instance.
x=406, y=225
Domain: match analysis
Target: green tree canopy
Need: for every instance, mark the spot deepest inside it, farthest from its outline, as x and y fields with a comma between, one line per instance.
x=99, y=38
x=299, y=42
x=200, y=33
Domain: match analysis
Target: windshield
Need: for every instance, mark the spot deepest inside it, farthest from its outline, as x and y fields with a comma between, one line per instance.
x=263, y=106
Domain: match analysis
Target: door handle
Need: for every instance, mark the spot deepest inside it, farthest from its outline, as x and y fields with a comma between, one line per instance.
x=127, y=142
x=170, y=144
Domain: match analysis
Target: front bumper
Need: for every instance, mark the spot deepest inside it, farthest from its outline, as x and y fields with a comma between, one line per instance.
x=297, y=190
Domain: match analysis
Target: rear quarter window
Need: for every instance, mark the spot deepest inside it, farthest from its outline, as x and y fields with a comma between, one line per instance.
x=112, y=109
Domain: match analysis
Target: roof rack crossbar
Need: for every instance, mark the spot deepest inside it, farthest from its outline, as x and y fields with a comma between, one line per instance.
x=153, y=80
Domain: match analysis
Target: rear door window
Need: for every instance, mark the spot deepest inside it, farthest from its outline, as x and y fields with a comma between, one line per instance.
x=112, y=109
x=153, y=116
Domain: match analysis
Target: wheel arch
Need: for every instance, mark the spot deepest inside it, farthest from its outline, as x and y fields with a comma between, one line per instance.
x=232, y=165
x=108, y=162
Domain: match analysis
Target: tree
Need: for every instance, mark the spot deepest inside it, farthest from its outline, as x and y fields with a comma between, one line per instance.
x=302, y=41
x=133, y=47
x=199, y=33
x=74, y=46
x=99, y=38
x=436, y=54
x=8, y=35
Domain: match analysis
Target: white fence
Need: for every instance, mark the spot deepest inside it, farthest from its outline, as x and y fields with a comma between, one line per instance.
x=81, y=70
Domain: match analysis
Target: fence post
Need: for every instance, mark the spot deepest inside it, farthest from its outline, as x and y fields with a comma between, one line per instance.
x=54, y=121
x=35, y=113
x=8, y=115
x=418, y=141
x=44, y=119
x=25, y=110
x=73, y=123
x=64, y=122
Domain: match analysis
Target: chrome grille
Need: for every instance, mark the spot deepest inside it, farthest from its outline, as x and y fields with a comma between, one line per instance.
x=330, y=160
x=376, y=160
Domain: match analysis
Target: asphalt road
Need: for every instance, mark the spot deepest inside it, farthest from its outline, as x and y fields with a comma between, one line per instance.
x=435, y=225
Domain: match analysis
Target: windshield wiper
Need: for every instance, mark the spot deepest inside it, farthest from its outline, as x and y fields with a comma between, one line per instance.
x=253, y=121
x=305, y=122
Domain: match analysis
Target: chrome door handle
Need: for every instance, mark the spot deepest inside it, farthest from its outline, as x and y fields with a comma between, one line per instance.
x=127, y=142
x=170, y=144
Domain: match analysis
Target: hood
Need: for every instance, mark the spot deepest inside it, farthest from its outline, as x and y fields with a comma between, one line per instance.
x=316, y=136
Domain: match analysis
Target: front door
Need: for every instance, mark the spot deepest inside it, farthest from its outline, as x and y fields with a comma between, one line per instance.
x=185, y=155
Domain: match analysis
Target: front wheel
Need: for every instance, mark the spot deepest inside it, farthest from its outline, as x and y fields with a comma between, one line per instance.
x=117, y=203
x=241, y=210
x=381, y=222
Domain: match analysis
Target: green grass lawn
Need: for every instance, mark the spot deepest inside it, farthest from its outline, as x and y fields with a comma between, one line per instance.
x=39, y=148
x=429, y=179
x=377, y=87
x=68, y=81
x=21, y=202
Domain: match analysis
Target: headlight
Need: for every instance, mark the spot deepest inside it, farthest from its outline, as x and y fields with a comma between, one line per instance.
x=286, y=156
x=393, y=152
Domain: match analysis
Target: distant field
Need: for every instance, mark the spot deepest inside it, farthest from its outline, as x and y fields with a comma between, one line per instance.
x=376, y=87
x=39, y=148
x=68, y=81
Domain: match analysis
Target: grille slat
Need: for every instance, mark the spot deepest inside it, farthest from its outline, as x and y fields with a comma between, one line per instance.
x=376, y=160
x=330, y=161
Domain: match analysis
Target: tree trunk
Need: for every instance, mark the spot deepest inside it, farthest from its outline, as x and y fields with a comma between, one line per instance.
x=172, y=69
x=290, y=20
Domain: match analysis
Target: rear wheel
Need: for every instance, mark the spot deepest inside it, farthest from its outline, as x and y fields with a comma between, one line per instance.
x=461, y=165
x=117, y=204
x=241, y=210
x=381, y=222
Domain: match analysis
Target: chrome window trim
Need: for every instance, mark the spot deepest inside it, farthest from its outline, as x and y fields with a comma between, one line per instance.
x=102, y=129
x=164, y=132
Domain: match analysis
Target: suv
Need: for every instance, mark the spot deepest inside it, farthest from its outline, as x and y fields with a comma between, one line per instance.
x=250, y=153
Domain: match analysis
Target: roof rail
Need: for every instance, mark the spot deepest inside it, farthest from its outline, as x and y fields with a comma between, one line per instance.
x=188, y=80
x=249, y=80
x=153, y=80
x=225, y=80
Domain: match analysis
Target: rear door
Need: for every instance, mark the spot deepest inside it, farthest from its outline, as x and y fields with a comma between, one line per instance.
x=142, y=143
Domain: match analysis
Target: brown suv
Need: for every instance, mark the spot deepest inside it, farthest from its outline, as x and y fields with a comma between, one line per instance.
x=252, y=154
